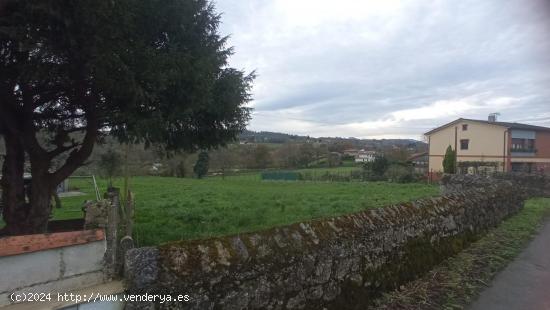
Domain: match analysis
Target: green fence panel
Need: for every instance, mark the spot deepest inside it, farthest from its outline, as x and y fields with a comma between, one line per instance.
x=280, y=175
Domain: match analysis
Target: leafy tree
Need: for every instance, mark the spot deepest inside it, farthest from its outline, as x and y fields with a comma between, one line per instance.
x=110, y=164
x=340, y=146
x=306, y=154
x=449, y=161
x=287, y=155
x=262, y=156
x=399, y=154
x=379, y=165
x=144, y=71
x=334, y=159
x=201, y=166
x=224, y=158
x=320, y=150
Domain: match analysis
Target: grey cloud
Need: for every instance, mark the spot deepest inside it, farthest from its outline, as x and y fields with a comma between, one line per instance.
x=360, y=70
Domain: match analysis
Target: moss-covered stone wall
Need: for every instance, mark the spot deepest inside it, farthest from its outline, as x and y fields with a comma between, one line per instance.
x=334, y=263
x=530, y=185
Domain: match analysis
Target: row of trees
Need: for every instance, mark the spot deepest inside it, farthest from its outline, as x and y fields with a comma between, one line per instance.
x=107, y=162
x=233, y=157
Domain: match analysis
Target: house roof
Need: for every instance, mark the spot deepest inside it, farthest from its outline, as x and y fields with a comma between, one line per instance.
x=503, y=124
x=417, y=155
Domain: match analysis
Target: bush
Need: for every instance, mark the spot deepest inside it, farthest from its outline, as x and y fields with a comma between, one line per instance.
x=110, y=164
x=401, y=173
x=201, y=166
x=379, y=165
x=407, y=178
x=347, y=157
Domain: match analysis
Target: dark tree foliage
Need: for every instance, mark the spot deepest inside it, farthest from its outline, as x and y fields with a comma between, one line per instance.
x=380, y=165
x=449, y=161
x=145, y=71
x=306, y=154
x=201, y=166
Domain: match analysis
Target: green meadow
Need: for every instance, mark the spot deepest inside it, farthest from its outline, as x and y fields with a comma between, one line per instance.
x=168, y=209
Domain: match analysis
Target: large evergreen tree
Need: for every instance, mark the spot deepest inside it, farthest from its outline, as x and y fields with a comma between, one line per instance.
x=150, y=71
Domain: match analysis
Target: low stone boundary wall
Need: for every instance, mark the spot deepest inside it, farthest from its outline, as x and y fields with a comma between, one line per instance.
x=334, y=263
x=50, y=263
x=530, y=185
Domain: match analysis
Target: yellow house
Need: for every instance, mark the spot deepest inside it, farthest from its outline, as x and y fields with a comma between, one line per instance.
x=490, y=145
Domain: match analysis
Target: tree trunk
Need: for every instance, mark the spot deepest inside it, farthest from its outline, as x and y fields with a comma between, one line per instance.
x=40, y=204
x=15, y=208
x=26, y=207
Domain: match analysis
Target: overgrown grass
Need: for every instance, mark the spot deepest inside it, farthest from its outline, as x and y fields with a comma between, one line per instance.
x=170, y=209
x=458, y=280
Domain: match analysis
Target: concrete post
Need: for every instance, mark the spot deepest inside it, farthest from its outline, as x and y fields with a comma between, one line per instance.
x=112, y=268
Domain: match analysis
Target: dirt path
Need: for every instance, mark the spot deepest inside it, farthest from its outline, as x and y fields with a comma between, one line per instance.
x=525, y=283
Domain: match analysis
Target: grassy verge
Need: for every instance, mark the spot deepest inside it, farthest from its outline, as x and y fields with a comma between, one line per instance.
x=458, y=280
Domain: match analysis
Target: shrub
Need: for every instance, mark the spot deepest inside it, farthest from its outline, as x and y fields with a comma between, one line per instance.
x=201, y=166
x=398, y=173
x=110, y=165
x=449, y=161
x=380, y=165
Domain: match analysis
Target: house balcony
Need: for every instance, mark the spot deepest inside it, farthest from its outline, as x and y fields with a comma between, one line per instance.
x=517, y=152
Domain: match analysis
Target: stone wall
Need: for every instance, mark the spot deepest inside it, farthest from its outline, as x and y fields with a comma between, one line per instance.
x=334, y=263
x=530, y=185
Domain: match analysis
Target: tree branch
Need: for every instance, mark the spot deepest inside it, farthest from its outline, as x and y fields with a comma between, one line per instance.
x=78, y=156
x=29, y=130
x=62, y=149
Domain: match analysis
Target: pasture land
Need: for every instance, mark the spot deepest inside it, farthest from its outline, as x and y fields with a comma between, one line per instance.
x=168, y=209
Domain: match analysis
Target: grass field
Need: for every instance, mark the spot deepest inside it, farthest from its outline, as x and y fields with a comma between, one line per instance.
x=172, y=209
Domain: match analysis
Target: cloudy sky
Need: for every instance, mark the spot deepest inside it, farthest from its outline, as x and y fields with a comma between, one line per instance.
x=387, y=69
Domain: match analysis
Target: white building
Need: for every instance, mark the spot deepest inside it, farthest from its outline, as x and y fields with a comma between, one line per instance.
x=365, y=156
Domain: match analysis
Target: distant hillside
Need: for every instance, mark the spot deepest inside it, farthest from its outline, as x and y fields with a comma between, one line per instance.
x=269, y=137
x=143, y=157
x=277, y=137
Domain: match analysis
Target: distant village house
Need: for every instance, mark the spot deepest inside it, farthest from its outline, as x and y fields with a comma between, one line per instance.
x=419, y=162
x=365, y=156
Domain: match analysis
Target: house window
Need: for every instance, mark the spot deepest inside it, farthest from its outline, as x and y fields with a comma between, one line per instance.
x=523, y=145
x=464, y=127
x=464, y=144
